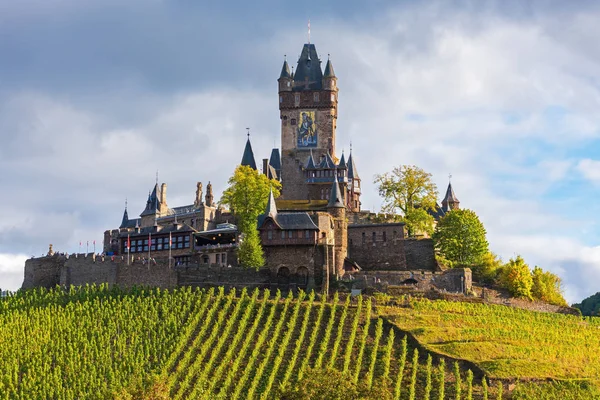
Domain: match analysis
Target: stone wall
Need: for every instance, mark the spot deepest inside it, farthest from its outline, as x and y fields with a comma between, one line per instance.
x=43, y=271
x=215, y=275
x=456, y=280
x=82, y=270
x=378, y=247
x=420, y=254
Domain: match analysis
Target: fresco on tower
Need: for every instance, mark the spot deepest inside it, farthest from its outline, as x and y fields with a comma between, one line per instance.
x=307, y=129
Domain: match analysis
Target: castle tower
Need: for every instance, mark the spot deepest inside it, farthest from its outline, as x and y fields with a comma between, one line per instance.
x=450, y=201
x=248, y=156
x=353, y=191
x=308, y=113
x=336, y=207
x=209, y=198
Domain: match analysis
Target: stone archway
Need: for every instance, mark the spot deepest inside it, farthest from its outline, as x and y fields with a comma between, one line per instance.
x=302, y=277
x=283, y=276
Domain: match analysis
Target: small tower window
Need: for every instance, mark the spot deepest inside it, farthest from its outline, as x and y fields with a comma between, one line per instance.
x=384, y=237
x=290, y=234
x=293, y=122
x=332, y=97
x=270, y=234
x=280, y=99
x=297, y=99
x=364, y=238
x=374, y=238
x=316, y=97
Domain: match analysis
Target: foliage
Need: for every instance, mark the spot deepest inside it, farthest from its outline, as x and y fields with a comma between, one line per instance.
x=331, y=384
x=247, y=197
x=590, y=306
x=409, y=189
x=547, y=287
x=556, y=390
x=505, y=342
x=460, y=237
x=250, y=251
x=248, y=194
x=516, y=278
x=487, y=269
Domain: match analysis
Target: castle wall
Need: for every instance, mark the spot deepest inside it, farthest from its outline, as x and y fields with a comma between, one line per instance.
x=215, y=275
x=378, y=247
x=457, y=280
x=420, y=254
x=42, y=272
x=82, y=270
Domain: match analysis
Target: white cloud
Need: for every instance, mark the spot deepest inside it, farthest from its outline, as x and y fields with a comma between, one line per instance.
x=11, y=271
x=590, y=169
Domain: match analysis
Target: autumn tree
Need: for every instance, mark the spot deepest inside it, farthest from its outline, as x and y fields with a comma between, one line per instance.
x=409, y=190
x=547, y=287
x=247, y=196
x=460, y=237
x=516, y=278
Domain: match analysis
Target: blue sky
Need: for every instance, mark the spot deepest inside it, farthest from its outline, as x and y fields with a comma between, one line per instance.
x=96, y=96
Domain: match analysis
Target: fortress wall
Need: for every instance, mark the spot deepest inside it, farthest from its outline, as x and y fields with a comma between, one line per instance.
x=215, y=275
x=43, y=271
x=420, y=254
x=146, y=274
x=456, y=280
x=385, y=251
x=92, y=270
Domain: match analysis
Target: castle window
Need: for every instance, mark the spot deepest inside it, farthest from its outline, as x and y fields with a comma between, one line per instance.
x=293, y=122
x=270, y=235
x=332, y=97
x=374, y=238
x=307, y=234
x=283, y=234
x=297, y=99
x=140, y=249
x=218, y=259
x=281, y=99
x=384, y=237
x=224, y=258
x=364, y=238
x=316, y=97
x=290, y=234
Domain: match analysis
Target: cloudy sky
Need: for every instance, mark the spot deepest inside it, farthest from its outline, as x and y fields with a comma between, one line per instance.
x=96, y=96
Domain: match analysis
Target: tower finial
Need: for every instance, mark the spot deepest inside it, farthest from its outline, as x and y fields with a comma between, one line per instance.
x=351, y=147
x=285, y=57
x=449, y=177
x=248, y=132
x=157, y=177
x=309, y=31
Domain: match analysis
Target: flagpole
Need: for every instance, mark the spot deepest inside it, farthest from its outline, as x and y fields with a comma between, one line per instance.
x=87, y=246
x=128, y=249
x=94, y=247
x=170, y=245
x=149, y=244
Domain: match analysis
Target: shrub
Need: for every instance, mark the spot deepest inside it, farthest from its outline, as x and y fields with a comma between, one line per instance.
x=516, y=278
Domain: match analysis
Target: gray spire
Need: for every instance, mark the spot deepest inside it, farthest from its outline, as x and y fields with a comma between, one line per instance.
x=450, y=201
x=329, y=70
x=352, y=172
x=271, y=210
x=248, y=157
x=285, y=71
x=308, y=74
x=335, y=198
x=311, y=161
x=342, y=163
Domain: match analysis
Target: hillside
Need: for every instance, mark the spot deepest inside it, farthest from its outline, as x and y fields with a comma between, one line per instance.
x=97, y=343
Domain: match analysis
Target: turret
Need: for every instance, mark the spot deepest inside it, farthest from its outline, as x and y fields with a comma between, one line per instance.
x=248, y=156
x=285, y=78
x=450, y=201
x=125, y=220
x=337, y=210
x=354, y=190
x=329, y=78
x=209, y=199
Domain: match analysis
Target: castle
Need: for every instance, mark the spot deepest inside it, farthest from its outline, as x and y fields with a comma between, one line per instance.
x=314, y=233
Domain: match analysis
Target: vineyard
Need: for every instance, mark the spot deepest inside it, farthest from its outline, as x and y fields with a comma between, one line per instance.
x=98, y=343
x=506, y=342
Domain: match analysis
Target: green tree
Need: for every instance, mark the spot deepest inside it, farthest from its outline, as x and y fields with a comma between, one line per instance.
x=247, y=196
x=547, y=287
x=516, y=278
x=460, y=237
x=409, y=190
x=590, y=306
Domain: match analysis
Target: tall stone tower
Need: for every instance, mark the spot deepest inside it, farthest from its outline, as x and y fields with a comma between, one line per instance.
x=308, y=101
x=337, y=210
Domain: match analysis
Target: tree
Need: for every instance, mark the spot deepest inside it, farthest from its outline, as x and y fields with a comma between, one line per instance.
x=460, y=237
x=487, y=269
x=547, y=287
x=247, y=197
x=409, y=189
x=516, y=278
x=590, y=306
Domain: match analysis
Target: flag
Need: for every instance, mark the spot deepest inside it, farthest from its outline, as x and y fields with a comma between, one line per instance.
x=128, y=244
x=170, y=240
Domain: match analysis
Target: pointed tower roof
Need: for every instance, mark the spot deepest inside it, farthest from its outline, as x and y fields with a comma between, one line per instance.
x=311, y=161
x=285, y=71
x=275, y=160
x=153, y=203
x=342, y=163
x=248, y=157
x=449, y=198
x=335, y=197
x=271, y=210
x=327, y=162
x=329, y=70
x=308, y=75
x=125, y=220
x=352, y=171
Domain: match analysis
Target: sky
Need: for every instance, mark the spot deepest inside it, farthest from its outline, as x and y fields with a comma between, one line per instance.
x=97, y=96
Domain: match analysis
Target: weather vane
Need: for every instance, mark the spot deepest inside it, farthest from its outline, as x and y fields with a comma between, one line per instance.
x=309, y=31
x=248, y=132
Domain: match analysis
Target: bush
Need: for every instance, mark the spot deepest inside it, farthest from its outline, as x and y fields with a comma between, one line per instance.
x=515, y=276
x=487, y=270
x=547, y=287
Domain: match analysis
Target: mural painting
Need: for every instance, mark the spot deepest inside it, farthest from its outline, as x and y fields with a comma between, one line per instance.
x=307, y=129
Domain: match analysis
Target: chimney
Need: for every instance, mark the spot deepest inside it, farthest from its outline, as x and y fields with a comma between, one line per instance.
x=266, y=166
x=163, y=194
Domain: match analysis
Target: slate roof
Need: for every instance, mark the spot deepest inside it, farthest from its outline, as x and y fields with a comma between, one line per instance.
x=352, y=172
x=275, y=160
x=335, y=198
x=327, y=162
x=438, y=213
x=342, y=163
x=152, y=203
x=170, y=228
x=308, y=70
x=290, y=221
x=450, y=197
x=311, y=161
x=285, y=71
x=125, y=219
x=329, y=70
x=248, y=156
